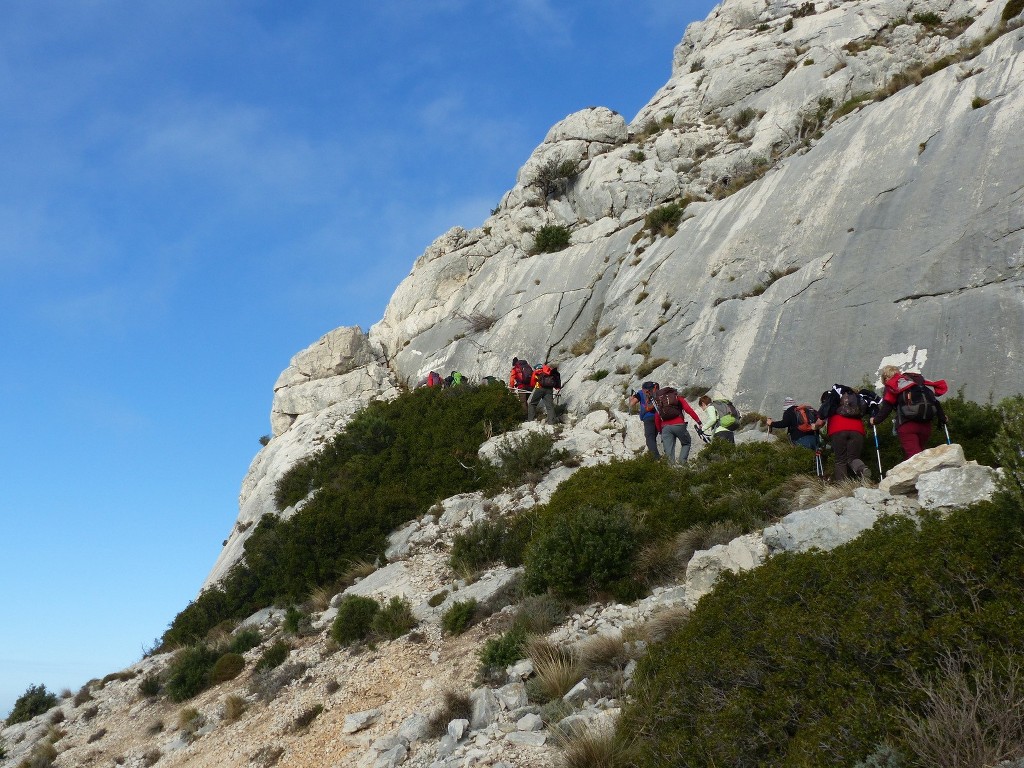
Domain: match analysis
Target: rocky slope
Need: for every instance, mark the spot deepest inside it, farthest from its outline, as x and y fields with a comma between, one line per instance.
x=851, y=186
x=372, y=706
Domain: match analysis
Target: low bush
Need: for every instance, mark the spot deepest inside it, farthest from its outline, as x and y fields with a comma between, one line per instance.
x=459, y=617
x=551, y=238
x=273, y=656
x=524, y=458
x=1012, y=9
x=664, y=220
x=189, y=672
x=306, y=718
x=354, y=620
x=245, y=640
x=227, y=667
x=34, y=701
x=393, y=620
x=505, y=649
x=234, y=708
x=809, y=659
x=487, y=542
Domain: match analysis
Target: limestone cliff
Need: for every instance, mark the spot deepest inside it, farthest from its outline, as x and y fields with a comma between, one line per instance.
x=851, y=179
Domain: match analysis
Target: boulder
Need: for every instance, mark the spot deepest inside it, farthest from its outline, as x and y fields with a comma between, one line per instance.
x=823, y=527
x=904, y=476
x=956, y=486
x=704, y=568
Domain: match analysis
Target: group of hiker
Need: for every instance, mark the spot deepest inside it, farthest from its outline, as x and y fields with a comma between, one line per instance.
x=839, y=418
x=663, y=411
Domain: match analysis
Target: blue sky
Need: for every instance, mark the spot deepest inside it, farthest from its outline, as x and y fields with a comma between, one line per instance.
x=192, y=192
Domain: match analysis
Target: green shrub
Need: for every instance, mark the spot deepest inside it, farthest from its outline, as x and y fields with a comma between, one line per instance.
x=274, y=656
x=648, y=366
x=391, y=463
x=927, y=19
x=393, y=620
x=551, y=238
x=524, y=458
x=505, y=649
x=34, y=701
x=807, y=659
x=587, y=537
x=587, y=551
x=245, y=640
x=227, y=667
x=1012, y=9
x=294, y=619
x=459, y=617
x=189, y=672
x=598, y=375
x=487, y=542
x=150, y=686
x=664, y=220
x=354, y=619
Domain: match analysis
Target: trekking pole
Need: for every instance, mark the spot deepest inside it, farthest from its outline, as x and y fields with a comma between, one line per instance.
x=878, y=452
x=818, y=469
x=946, y=427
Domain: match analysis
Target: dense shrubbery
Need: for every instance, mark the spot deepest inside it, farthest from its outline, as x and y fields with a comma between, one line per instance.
x=588, y=535
x=390, y=464
x=34, y=701
x=487, y=542
x=806, y=660
x=459, y=617
x=525, y=458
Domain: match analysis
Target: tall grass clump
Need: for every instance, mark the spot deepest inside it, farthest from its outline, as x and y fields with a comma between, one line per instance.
x=391, y=463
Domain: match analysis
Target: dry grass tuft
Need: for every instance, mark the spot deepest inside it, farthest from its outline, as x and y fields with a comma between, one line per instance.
x=557, y=667
x=584, y=747
x=603, y=651
x=805, y=491
x=659, y=626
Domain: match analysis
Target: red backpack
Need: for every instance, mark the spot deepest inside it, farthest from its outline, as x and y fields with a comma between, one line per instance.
x=805, y=417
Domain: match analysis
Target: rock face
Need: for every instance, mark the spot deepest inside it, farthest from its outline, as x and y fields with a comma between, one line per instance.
x=847, y=201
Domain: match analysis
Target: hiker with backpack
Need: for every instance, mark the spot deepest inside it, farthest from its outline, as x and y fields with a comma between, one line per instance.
x=721, y=417
x=670, y=422
x=842, y=412
x=799, y=421
x=519, y=381
x=644, y=397
x=914, y=400
x=545, y=381
x=432, y=379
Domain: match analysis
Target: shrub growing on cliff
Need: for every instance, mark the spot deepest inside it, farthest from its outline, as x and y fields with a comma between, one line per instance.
x=189, y=672
x=391, y=463
x=551, y=238
x=34, y=701
x=807, y=659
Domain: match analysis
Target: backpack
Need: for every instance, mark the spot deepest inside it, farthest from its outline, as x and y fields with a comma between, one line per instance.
x=547, y=380
x=728, y=414
x=914, y=400
x=805, y=418
x=667, y=404
x=850, y=405
x=526, y=371
x=434, y=379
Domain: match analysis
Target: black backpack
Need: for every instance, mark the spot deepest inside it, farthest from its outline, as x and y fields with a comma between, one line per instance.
x=841, y=401
x=916, y=403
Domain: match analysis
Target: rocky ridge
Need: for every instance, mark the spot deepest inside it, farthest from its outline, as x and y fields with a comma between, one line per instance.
x=848, y=161
x=372, y=706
